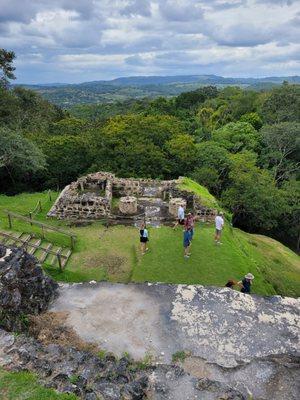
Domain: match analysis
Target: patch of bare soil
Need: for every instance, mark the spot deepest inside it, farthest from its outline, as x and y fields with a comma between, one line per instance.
x=50, y=327
x=113, y=263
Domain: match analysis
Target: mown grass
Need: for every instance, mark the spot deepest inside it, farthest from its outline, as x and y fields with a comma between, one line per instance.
x=209, y=264
x=113, y=254
x=24, y=385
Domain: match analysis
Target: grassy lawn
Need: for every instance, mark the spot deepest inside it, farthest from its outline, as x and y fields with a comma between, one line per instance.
x=208, y=265
x=24, y=385
x=113, y=254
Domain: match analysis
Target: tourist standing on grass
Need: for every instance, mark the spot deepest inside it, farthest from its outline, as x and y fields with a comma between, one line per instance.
x=180, y=217
x=246, y=283
x=186, y=242
x=189, y=224
x=144, y=238
x=219, y=223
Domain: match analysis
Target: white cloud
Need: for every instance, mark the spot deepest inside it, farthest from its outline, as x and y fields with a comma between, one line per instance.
x=107, y=38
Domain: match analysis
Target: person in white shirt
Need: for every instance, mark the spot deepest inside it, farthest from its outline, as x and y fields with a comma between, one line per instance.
x=219, y=223
x=180, y=215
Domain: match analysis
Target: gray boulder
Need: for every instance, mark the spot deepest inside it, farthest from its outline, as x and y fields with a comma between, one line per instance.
x=24, y=288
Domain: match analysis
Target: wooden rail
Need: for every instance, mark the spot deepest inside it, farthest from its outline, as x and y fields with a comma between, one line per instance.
x=61, y=258
x=11, y=215
x=38, y=208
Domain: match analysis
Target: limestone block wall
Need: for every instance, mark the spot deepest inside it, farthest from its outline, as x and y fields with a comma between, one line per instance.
x=90, y=197
x=71, y=204
x=202, y=212
x=140, y=187
x=128, y=205
x=174, y=204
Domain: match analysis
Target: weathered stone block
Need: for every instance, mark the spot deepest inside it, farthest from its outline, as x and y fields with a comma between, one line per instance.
x=174, y=205
x=128, y=205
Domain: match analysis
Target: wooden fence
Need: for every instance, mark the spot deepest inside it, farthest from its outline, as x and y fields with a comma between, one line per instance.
x=12, y=215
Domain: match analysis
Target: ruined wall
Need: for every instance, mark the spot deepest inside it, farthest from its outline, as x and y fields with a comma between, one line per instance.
x=202, y=212
x=140, y=187
x=90, y=197
x=76, y=202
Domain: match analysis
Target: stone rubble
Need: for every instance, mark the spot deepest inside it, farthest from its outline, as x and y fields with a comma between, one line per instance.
x=24, y=288
x=90, y=377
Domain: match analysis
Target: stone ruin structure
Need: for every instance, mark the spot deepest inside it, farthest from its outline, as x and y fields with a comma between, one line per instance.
x=102, y=195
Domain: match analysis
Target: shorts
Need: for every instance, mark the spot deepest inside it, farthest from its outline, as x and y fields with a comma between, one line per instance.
x=143, y=239
x=186, y=244
x=181, y=221
x=218, y=231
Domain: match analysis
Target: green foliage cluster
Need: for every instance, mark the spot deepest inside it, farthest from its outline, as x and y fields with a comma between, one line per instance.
x=243, y=145
x=179, y=356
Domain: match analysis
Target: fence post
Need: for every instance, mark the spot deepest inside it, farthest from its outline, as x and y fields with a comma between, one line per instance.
x=9, y=220
x=30, y=216
x=59, y=260
x=49, y=193
x=72, y=242
x=40, y=205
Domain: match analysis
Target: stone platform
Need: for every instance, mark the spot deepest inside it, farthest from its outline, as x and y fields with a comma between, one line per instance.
x=219, y=324
x=244, y=341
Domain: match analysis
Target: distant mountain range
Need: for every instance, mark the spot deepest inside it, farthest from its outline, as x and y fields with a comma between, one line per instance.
x=119, y=89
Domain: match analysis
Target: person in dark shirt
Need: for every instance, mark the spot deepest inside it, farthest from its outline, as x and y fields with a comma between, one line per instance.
x=144, y=238
x=246, y=283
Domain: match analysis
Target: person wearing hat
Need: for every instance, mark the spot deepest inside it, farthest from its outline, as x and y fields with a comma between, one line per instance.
x=246, y=283
x=219, y=223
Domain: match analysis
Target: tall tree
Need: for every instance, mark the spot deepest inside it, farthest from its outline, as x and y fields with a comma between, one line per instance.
x=282, y=149
x=237, y=136
x=282, y=105
x=6, y=67
x=18, y=156
x=252, y=197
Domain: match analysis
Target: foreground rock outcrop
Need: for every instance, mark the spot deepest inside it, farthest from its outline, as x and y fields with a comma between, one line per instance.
x=232, y=346
x=107, y=378
x=24, y=288
x=220, y=325
x=229, y=335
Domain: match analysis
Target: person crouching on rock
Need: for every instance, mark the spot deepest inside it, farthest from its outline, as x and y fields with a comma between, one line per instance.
x=246, y=283
x=231, y=283
x=144, y=238
x=187, y=236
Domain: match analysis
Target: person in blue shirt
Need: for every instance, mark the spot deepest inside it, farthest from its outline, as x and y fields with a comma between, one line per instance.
x=144, y=238
x=187, y=237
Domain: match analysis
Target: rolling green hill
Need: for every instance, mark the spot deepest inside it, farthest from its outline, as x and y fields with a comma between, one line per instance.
x=138, y=87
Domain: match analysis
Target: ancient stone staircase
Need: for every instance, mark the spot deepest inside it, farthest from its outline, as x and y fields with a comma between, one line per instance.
x=44, y=251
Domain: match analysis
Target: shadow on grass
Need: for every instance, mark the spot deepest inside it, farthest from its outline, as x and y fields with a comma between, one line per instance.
x=74, y=276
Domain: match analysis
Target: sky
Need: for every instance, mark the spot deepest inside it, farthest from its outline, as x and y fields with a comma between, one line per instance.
x=84, y=40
